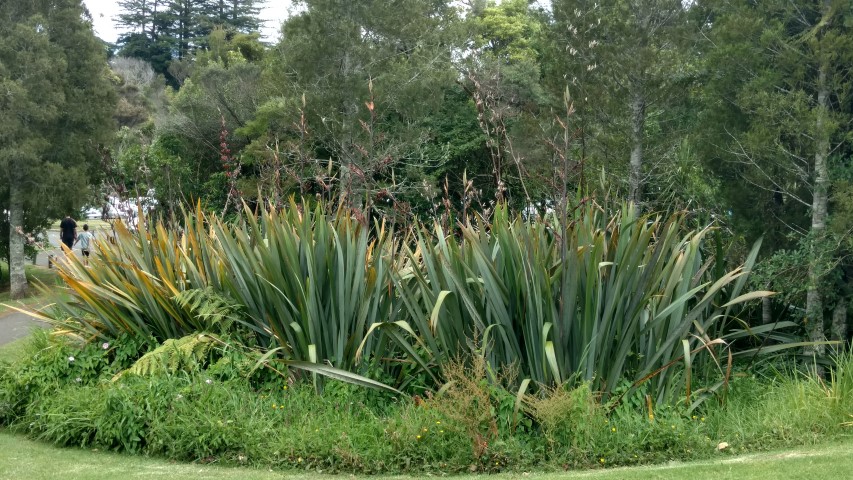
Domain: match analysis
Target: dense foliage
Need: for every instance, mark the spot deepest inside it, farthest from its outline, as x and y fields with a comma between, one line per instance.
x=63, y=393
x=602, y=300
x=525, y=219
x=441, y=109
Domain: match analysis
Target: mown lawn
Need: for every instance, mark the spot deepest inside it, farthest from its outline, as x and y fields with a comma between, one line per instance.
x=28, y=460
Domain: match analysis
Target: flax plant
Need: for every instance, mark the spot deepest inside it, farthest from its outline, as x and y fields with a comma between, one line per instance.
x=593, y=298
x=309, y=284
x=132, y=281
x=630, y=298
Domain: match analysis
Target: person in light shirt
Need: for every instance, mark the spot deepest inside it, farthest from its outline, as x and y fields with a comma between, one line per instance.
x=86, y=239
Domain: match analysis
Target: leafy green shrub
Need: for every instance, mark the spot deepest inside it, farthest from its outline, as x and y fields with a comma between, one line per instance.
x=215, y=414
x=53, y=362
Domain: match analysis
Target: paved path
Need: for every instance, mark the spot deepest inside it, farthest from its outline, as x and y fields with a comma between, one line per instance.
x=53, y=239
x=15, y=325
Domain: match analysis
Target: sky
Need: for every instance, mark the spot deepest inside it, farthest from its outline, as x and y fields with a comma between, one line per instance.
x=103, y=11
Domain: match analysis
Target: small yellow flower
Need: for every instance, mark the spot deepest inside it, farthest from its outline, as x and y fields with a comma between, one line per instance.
x=613, y=429
x=601, y=461
x=438, y=423
x=694, y=417
x=299, y=459
x=606, y=421
x=284, y=387
x=274, y=406
x=702, y=419
x=673, y=427
x=317, y=430
x=418, y=437
x=441, y=431
x=425, y=429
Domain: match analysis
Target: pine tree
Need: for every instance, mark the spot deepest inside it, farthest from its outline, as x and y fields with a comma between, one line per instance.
x=148, y=37
x=239, y=15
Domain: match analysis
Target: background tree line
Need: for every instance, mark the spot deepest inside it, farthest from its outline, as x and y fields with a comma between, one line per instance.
x=736, y=112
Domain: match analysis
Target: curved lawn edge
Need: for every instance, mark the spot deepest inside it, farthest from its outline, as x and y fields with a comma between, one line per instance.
x=21, y=458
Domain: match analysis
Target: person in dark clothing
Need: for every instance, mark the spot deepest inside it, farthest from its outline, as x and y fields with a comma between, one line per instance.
x=68, y=231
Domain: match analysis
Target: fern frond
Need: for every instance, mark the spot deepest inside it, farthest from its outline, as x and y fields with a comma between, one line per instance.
x=187, y=353
x=216, y=310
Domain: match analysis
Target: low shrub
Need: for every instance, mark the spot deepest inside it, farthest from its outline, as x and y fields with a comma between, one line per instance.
x=218, y=414
x=52, y=363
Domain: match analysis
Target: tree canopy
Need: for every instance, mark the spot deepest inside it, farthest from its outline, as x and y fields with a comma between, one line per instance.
x=735, y=113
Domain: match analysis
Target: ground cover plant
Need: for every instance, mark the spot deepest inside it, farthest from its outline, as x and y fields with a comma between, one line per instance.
x=67, y=394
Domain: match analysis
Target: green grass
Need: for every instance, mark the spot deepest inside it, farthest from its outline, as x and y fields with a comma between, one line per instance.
x=13, y=350
x=35, y=275
x=93, y=224
x=27, y=460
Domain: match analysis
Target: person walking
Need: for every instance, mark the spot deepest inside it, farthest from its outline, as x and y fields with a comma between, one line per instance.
x=86, y=240
x=68, y=231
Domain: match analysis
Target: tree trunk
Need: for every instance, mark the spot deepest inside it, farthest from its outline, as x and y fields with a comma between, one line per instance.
x=638, y=120
x=17, y=276
x=766, y=311
x=814, y=302
x=839, y=321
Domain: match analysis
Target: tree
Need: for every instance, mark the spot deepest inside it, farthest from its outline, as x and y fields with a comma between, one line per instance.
x=185, y=156
x=783, y=111
x=623, y=62
x=167, y=33
x=56, y=109
x=239, y=15
x=503, y=79
x=369, y=74
x=148, y=37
